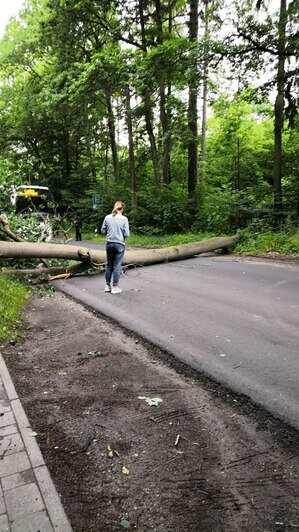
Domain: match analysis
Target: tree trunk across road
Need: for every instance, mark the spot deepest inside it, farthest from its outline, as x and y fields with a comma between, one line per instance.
x=97, y=257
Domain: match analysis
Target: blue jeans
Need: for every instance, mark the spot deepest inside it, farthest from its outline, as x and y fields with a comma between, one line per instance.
x=115, y=253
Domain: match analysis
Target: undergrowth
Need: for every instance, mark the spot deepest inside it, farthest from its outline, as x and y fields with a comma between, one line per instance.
x=283, y=242
x=13, y=297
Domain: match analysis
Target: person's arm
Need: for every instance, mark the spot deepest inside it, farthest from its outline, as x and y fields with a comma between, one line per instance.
x=126, y=230
x=104, y=228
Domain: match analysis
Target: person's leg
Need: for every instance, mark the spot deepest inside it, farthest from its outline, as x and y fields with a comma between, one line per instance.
x=110, y=262
x=118, y=257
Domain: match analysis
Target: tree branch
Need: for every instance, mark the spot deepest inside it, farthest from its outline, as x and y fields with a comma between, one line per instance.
x=259, y=46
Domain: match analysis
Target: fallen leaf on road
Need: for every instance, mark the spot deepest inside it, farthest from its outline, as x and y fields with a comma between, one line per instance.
x=111, y=452
x=95, y=353
x=125, y=471
x=151, y=401
x=125, y=523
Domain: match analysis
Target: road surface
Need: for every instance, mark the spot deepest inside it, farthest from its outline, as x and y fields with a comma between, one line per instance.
x=235, y=319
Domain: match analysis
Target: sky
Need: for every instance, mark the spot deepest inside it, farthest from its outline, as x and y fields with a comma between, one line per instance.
x=8, y=8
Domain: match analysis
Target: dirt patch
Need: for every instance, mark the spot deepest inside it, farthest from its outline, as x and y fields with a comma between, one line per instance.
x=203, y=459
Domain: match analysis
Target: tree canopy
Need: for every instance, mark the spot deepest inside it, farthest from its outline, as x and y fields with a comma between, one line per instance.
x=186, y=110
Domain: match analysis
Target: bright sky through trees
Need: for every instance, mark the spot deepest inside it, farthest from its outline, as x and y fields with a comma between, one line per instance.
x=8, y=8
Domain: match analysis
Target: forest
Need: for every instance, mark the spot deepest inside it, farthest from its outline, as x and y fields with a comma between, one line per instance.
x=186, y=110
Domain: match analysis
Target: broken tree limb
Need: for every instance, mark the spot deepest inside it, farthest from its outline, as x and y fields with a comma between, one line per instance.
x=4, y=221
x=96, y=257
x=6, y=228
x=51, y=271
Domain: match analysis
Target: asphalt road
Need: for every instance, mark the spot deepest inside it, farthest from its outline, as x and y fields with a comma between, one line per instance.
x=234, y=319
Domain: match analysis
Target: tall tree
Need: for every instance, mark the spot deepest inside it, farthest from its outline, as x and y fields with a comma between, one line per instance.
x=147, y=97
x=164, y=118
x=192, y=105
x=204, y=95
x=131, y=150
x=279, y=108
x=111, y=128
x=268, y=42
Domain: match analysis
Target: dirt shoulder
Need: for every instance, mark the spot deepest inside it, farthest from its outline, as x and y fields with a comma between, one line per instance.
x=203, y=459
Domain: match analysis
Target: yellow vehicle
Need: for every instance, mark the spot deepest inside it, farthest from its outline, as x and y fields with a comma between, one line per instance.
x=32, y=199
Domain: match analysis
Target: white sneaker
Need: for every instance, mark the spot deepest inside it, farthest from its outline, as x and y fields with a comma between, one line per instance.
x=107, y=288
x=116, y=290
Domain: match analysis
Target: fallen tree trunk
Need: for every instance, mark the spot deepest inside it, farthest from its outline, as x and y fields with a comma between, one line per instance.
x=183, y=251
x=37, y=250
x=51, y=271
x=96, y=257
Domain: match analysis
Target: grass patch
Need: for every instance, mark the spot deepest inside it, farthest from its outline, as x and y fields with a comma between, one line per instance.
x=148, y=241
x=284, y=243
x=13, y=297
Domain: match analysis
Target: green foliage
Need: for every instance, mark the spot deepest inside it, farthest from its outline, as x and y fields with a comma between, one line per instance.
x=6, y=193
x=167, y=61
x=27, y=228
x=284, y=242
x=239, y=148
x=13, y=297
x=64, y=61
x=227, y=210
x=165, y=212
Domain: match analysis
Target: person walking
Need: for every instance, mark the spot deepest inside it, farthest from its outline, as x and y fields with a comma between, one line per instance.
x=116, y=228
x=78, y=226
